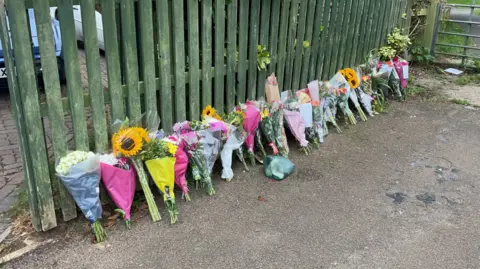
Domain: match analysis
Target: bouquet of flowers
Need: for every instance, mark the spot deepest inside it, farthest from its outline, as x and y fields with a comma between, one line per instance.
x=160, y=161
x=234, y=141
x=353, y=80
x=80, y=173
x=341, y=89
x=329, y=104
x=251, y=122
x=118, y=176
x=181, y=130
x=364, y=93
x=317, y=111
x=270, y=126
x=297, y=127
x=199, y=166
x=128, y=142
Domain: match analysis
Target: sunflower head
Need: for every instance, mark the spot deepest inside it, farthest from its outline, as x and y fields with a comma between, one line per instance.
x=127, y=142
x=209, y=111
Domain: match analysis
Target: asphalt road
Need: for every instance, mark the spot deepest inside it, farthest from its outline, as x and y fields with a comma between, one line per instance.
x=400, y=191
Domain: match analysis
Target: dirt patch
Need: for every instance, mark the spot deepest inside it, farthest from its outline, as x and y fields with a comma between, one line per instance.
x=442, y=86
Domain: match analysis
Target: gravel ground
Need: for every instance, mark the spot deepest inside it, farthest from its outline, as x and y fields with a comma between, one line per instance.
x=400, y=191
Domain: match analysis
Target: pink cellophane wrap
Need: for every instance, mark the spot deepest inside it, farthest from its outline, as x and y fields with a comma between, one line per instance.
x=250, y=125
x=120, y=184
x=181, y=165
x=399, y=65
x=297, y=126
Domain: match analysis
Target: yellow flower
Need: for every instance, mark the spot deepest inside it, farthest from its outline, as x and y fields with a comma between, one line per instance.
x=141, y=132
x=265, y=113
x=209, y=111
x=172, y=149
x=241, y=114
x=127, y=142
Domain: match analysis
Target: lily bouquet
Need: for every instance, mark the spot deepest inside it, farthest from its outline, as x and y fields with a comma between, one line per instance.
x=118, y=176
x=129, y=142
x=80, y=173
x=159, y=157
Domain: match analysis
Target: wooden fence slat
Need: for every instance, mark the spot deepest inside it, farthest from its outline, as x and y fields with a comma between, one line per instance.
x=361, y=33
x=17, y=113
x=193, y=59
x=360, y=18
x=282, y=44
x=317, y=70
x=206, y=53
x=292, y=33
x=274, y=33
x=243, y=51
x=264, y=31
x=129, y=42
x=381, y=23
x=112, y=53
x=337, y=37
x=94, y=75
x=311, y=19
x=164, y=64
x=299, y=50
x=252, y=53
x=148, y=66
x=373, y=21
x=346, y=34
x=29, y=93
x=72, y=74
x=348, y=60
x=219, y=100
x=179, y=50
x=387, y=22
x=331, y=39
x=231, y=53
x=56, y=118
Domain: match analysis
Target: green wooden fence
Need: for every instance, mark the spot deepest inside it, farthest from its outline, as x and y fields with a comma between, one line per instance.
x=169, y=59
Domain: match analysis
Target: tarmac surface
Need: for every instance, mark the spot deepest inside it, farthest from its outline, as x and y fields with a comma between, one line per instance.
x=400, y=191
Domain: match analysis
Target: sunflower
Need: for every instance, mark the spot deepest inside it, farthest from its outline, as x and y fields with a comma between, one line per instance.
x=127, y=142
x=209, y=111
x=141, y=132
x=352, y=78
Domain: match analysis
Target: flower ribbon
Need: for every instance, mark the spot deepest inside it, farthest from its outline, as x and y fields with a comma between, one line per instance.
x=274, y=148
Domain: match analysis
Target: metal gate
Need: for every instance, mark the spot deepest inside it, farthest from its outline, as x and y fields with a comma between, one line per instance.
x=464, y=17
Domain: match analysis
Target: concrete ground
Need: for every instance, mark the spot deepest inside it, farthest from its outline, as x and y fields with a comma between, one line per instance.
x=400, y=191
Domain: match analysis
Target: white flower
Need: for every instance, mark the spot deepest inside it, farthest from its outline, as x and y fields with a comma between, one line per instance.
x=70, y=160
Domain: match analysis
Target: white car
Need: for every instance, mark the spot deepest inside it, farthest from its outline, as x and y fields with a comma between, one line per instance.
x=77, y=17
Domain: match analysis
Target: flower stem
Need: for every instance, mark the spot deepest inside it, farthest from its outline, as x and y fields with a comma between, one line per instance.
x=98, y=231
x=142, y=177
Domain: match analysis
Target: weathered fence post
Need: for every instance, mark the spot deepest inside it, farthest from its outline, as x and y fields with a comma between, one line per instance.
x=430, y=24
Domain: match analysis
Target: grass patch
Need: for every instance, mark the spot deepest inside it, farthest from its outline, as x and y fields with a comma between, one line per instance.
x=462, y=102
x=415, y=90
x=452, y=39
x=460, y=2
x=20, y=206
x=468, y=79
